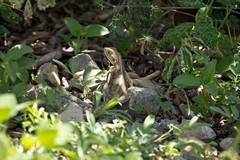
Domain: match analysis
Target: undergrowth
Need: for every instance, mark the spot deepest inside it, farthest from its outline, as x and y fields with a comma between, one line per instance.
x=206, y=59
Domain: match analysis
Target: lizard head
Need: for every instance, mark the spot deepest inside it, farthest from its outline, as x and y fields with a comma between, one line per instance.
x=112, y=54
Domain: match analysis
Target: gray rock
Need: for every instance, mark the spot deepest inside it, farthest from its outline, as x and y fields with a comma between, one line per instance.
x=71, y=112
x=142, y=100
x=226, y=143
x=49, y=73
x=63, y=100
x=203, y=133
x=82, y=61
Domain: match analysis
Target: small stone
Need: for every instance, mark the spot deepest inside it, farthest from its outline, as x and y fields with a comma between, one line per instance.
x=72, y=112
x=49, y=73
x=226, y=143
x=203, y=133
x=82, y=61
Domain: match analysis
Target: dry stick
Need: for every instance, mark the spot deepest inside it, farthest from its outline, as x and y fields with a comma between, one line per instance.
x=226, y=16
x=152, y=76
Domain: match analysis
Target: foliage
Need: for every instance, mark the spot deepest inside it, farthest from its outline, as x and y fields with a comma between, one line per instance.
x=13, y=67
x=207, y=59
x=8, y=9
x=129, y=27
x=79, y=33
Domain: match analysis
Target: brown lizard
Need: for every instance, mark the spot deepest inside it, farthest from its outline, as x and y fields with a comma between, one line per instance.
x=118, y=80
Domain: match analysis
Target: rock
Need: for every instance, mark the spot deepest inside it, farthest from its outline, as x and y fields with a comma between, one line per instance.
x=203, y=133
x=49, y=73
x=72, y=108
x=226, y=143
x=142, y=100
x=72, y=112
x=63, y=100
x=82, y=61
x=56, y=54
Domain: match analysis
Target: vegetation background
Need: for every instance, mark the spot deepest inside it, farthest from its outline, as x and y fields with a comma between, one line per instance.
x=193, y=43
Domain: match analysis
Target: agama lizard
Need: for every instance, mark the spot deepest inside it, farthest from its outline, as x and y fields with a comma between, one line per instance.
x=118, y=80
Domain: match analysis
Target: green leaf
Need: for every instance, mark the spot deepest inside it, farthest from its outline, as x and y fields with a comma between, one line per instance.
x=73, y=26
x=235, y=111
x=77, y=45
x=219, y=110
x=62, y=65
x=167, y=71
x=91, y=119
x=148, y=122
x=8, y=103
x=111, y=103
x=8, y=14
x=46, y=136
x=192, y=121
x=224, y=63
x=20, y=89
x=187, y=80
x=208, y=72
x=4, y=86
x=189, y=3
x=25, y=62
x=41, y=81
x=186, y=60
x=94, y=30
x=28, y=11
x=11, y=70
x=133, y=155
x=23, y=75
x=87, y=72
x=18, y=51
x=73, y=65
x=212, y=88
x=97, y=95
x=4, y=30
x=201, y=99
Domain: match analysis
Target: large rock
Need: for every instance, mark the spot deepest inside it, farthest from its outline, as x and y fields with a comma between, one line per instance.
x=71, y=108
x=203, y=133
x=226, y=143
x=82, y=61
x=71, y=112
x=142, y=101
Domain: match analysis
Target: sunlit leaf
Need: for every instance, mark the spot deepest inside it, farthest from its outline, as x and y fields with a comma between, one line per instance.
x=94, y=30
x=18, y=51
x=148, y=122
x=187, y=80
x=74, y=26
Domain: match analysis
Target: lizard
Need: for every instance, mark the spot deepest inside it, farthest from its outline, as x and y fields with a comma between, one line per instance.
x=118, y=79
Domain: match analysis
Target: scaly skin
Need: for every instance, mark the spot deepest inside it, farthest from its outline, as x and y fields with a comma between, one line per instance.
x=117, y=79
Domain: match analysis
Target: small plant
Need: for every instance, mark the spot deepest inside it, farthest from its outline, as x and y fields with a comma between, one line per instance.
x=80, y=33
x=90, y=78
x=13, y=67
